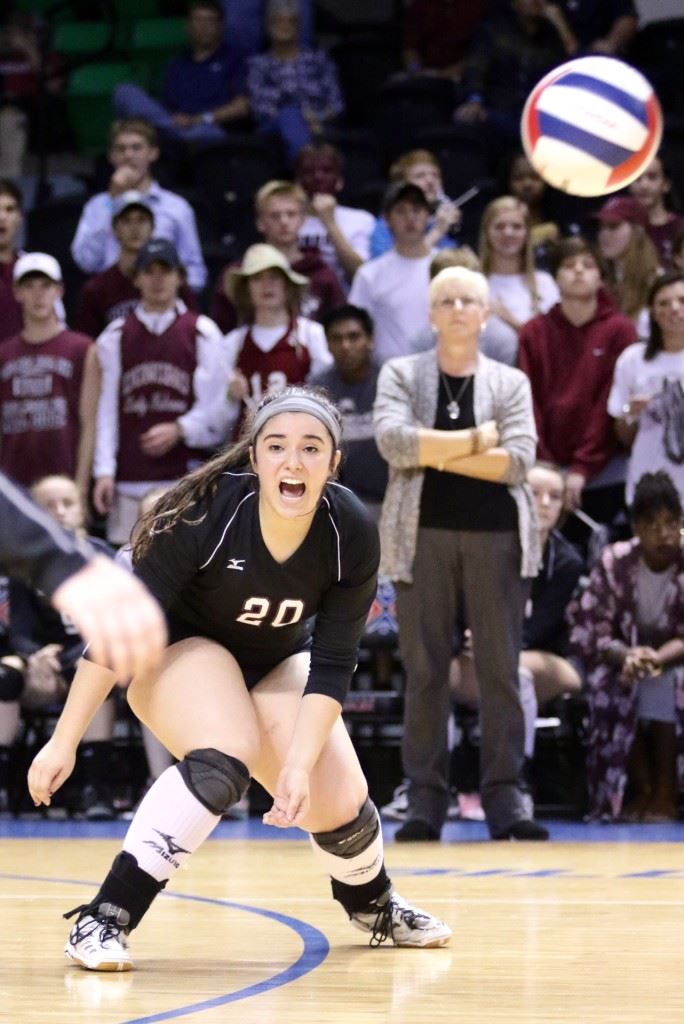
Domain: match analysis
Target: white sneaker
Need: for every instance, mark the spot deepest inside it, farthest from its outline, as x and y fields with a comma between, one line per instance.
x=391, y=917
x=397, y=808
x=98, y=940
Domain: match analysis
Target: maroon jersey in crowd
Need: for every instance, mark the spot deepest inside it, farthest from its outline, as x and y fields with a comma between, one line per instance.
x=11, y=320
x=156, y=386
x=288, y=362
x=323, y=293
x=109, y=295
x=40, y=393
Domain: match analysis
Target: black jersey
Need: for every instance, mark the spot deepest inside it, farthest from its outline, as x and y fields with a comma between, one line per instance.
x=216, y=578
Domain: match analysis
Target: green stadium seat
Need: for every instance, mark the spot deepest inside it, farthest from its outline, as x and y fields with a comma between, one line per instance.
x=154, y=42
x=80, y=38
x=89, y=102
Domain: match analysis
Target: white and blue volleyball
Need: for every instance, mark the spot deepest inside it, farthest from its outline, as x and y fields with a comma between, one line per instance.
x=591, y=126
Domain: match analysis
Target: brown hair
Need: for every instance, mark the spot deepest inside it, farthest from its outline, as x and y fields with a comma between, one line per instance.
x=461, y=257
x=631, y=279
x=400, y=168
x=136, y=125
x=176, y=504
x=655, y=343
x=569, y=249
x=242, y=300
x=281, y=189
x=509, y=204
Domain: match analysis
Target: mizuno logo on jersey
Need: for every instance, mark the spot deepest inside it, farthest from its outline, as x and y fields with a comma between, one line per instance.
x=236, y=563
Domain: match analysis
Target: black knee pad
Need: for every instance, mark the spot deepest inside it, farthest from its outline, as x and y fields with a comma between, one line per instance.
x=11, y=683
x=353, y=838
x=217, y=780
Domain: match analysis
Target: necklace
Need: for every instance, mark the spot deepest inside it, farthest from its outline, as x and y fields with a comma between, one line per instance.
x=453, y=408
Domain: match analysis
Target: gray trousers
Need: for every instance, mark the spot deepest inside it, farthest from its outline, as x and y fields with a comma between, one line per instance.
x=485, y=569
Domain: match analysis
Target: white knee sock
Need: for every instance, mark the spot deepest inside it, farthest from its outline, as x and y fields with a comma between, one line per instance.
x=528, y=699
x=169, y=825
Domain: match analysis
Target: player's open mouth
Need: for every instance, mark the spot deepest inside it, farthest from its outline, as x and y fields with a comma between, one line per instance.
x=292, y=488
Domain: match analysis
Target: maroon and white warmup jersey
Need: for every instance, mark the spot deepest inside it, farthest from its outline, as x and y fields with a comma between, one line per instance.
x=110, y=295
x=40, y=392
x=157, y=368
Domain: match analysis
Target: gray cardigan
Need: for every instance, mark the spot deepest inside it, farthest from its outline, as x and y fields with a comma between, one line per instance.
x=406, y=400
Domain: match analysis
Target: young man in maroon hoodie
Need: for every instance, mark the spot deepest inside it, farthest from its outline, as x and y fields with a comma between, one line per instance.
x=569, y=354
x=280, y=208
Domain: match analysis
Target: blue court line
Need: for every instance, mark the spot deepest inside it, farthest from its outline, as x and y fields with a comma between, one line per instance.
x=316, y=949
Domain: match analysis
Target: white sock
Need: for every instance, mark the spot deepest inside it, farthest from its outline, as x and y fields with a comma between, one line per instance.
x=528, y=699
x=169, y=825
x=358, y=870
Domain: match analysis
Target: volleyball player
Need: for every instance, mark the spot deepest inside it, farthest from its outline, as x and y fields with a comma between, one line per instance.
x=243, y=553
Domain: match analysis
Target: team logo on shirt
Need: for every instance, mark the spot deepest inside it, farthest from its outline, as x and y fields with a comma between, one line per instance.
x=236, y=563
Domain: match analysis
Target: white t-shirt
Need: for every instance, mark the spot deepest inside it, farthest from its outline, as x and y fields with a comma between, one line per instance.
x=357, y=227
x=499, y=340
x=637, y=377
x=394, y=290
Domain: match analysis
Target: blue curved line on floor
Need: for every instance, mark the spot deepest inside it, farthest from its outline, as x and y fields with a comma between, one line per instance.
x=316, y=949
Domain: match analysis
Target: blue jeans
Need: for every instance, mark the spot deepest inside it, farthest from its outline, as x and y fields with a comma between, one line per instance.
x=290, y=124
x=132, y=101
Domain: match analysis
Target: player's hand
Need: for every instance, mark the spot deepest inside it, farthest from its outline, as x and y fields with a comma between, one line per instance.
x=116, y=615
x=160, y=438
x=291, y=799
x=51, y=766
x=324, y=206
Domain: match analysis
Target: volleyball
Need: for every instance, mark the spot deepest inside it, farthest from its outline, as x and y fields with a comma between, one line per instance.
x=591, y=126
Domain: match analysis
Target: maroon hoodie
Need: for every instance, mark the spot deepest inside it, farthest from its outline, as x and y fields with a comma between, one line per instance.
x=323, y=293
x=571, y=372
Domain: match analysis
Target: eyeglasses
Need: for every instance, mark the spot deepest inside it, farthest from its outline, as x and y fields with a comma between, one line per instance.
x=464, y=301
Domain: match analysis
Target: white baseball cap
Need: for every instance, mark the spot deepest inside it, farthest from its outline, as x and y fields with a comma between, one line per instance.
x=37, y=263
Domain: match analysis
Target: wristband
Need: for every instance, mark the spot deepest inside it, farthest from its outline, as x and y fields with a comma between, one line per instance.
x=628, y=416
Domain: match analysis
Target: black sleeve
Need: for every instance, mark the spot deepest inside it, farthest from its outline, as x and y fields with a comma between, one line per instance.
x=546, y=628
x=23, y=620
x=171, y=560
x=344, y=609
x=33, y=548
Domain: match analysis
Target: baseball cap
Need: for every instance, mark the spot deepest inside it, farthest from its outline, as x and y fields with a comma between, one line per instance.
x=400, y=190
x=128, y=200
x=621, y=208
x=37, y=263
x=158, y=250
x=263, y=257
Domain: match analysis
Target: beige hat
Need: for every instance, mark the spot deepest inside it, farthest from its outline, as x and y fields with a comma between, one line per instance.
x=262, y=257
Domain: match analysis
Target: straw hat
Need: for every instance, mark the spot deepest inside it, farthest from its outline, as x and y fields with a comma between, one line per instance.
x=262, y=257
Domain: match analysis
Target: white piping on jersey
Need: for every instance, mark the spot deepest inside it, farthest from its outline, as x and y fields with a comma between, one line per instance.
x=337, y=535
x=225, y=531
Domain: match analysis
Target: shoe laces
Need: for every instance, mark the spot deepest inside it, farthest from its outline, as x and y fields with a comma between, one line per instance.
x=383, y=926
x=112, y=922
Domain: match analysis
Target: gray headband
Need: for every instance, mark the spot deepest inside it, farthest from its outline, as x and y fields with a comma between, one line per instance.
x=297, y=403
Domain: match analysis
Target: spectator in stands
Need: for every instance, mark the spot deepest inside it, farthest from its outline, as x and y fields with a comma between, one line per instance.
x=246, y=21
x=438, y=34
x=457, y=430
x=510, y=52
x=647, y=397
x=518, y=291
x=280, y=212
x=293, y=91
x=11, y=221
x=204, y=86
x=45, y=649
x=161, y=387
x=275, y=346
x=678, y=252
x=461, y=257
x=599, y=26
x=112, y=293
x=393, y=287
x=132, y=151
x=524, y=183
x=653, y=189
x=626, y=626
x=48, y=384
x=351, y=382
x=629, y=256
x=342, y=233
x=420, y=167
x=569, y=354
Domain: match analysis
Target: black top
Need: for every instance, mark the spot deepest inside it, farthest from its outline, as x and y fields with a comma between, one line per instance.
x=33, y=547
x=218, y=579
x=544, y=627
x=453, y=502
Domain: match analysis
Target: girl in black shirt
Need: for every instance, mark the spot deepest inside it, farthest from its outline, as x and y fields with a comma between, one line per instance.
x=267, y=570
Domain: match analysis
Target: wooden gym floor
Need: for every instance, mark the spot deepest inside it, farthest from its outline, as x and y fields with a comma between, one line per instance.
x=586, y=929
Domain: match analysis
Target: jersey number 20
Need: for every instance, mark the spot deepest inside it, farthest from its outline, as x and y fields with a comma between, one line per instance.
x=256, y=610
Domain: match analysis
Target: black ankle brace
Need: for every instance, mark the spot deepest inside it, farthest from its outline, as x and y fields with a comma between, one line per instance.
x=358, y=898
x=126, y=886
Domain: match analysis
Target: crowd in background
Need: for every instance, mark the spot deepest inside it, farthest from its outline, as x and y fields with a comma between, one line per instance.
x=545, y=338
